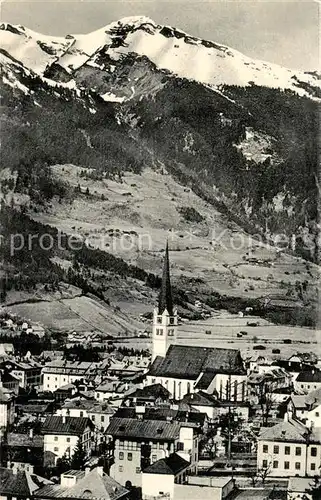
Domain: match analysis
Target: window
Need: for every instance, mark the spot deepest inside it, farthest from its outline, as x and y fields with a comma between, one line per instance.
x=298, y=451
x=313, y=451
x=312, y=466
x=276, y=449
x=56, y=448
x=68, y=440
x=159, y=331
x=180, y=446
x=159, y=320
x=317, y=414
x=138, y=470
x=120, y=468
x=121, y=455
x=103, y=418
x=264, y=463
x=129, y=457
x=81, y=414
x=102, y=428
x=121, y=444
x=265, y=448
x=286, y=465
x=287, y=450
x=93, y=418
x=171, y=320
x=275, y=464
x=170, y=333
x=56, y=438
x=297, y=466
x=154, y=458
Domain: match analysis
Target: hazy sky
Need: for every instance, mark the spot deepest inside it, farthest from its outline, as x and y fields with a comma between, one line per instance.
x=285, y=32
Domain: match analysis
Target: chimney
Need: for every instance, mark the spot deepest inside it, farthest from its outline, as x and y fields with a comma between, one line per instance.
x=31, y=433
x=100, y=471
x=286, y=417
x=64, y=419
x=218, y=432
x=87, y=470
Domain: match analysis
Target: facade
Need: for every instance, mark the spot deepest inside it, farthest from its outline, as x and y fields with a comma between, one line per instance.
x=61, y=435
x=289, y=449
x=159, y=478
x=59, y=373
x=7, y=409
x=28, y=373
x=138, y=443
x=308, y=381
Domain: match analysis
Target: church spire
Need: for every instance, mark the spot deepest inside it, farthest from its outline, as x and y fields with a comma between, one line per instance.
x=165, y=296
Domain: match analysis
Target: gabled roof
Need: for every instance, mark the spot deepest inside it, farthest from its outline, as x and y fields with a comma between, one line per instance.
x=21, y=484
x=144, y=429
x=200, y=399
x=291, y=431
x=171, y=465
x=188, y=362
x=151, y=392
x=70, y=426
x=91, y=486
x=309, y=376
x=17, y=440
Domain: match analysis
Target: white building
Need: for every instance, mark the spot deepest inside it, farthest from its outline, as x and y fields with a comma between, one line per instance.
x=59, y=373
x=7, y=408
x=61, y=434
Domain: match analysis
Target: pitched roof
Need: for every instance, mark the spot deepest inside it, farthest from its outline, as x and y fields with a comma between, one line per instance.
x=159, y=430
x=171, y=465
x=200, y=399
x=151, y=391
x=164, y=413
x=91, y=486
x=291, y=431
x=71, y=426
x=18, y=440
x=165, y=301
x=21, y=484
x=188, y=362
x=309, y=376
x=205, y=380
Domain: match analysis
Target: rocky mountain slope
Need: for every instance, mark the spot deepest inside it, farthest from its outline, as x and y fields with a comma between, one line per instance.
x=134, y=98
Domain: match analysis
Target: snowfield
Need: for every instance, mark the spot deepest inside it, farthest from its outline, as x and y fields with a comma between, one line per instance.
x=169, y=49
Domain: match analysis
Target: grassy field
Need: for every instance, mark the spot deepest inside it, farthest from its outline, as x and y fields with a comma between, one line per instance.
x=137, y=215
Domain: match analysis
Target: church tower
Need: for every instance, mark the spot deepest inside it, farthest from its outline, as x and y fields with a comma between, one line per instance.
x=165, y=316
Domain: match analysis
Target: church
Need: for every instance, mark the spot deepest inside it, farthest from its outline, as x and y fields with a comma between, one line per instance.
x=185, y=369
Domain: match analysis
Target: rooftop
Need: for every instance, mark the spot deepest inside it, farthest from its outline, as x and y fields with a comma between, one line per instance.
x=171, y=465
x=71, y=426
x=291, y=431
x=189, y=362
x=92, y=486
x=309, y=376
x=159, y=430
x=20, y=484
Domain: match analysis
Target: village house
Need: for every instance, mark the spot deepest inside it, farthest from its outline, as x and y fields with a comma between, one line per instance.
x=289, y=449
x=27, y=372
x=139, y=442
x=84, y=485
x=20, y=484
x=306, y=381
x=23, y=450
x=9, y=382
x=61, y=435
x=307, y=408
x=159, y=479
x=59, y=373
x=7, y=408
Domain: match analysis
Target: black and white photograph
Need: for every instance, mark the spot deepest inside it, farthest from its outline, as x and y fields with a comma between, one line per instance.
x=160, y=250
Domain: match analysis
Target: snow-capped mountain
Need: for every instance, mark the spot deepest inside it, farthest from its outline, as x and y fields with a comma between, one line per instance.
x=243, y=134
x=168, y=48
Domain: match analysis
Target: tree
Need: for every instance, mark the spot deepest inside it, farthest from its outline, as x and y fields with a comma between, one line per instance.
x=264, y=472
x=79, y=457
x=315, y=491
x=266, y=401
x=63, y=464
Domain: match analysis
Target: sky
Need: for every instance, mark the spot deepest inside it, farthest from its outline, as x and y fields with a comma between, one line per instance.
x=282, y=31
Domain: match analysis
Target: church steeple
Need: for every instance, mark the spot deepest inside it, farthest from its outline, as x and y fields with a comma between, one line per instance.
x=165, y=319
x=165, y=297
